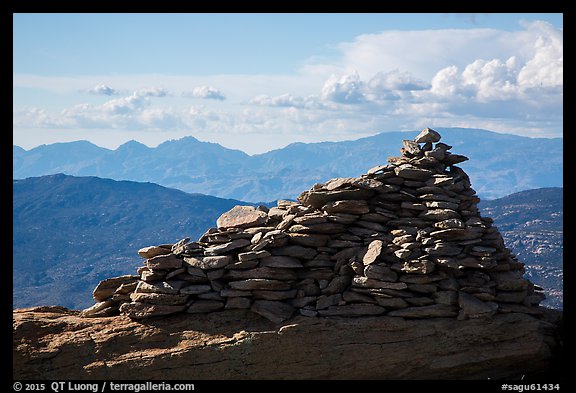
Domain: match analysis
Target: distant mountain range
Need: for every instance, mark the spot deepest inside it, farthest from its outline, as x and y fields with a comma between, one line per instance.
x=499, y=163
x=71, y=232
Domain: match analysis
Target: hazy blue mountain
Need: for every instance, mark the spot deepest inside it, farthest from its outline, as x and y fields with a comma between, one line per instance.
x=499, y=163
x=72, y=232
x=531, y=223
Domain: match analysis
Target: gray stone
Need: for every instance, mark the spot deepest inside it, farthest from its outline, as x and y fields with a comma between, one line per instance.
x=227, y=292
x=391, y=302
x=106, y=288
x=375, y=217
x=308, y=313
x=303, y=301
x=399, y=240
x=427, y=135
x=421, y=278
x=311, y=219
x=411, y=147
x=373, y=252
x=281, y=261
x=347, y=206
x=452, y=159
x=419, y=301
x=153, y=251
x=352, y=310
x=432, y=311
x=276, y=213
x=364, y=282
x=212, y=295
x=403, y=253
x=242, y=217
x=262, y=272
x=370, y=184
x=450, y=223
x=251, y=264
x=326, y=301
x=411, y=172
x=510, y=297
x=337, y=285
x=195, y=289
x=381, y=273
x=441, y=205
x=316, y=274
x=318, y=199
x=158, y=298
x=440, y=180
x=295, y=251
x=439, y=214
x=259, y=283
x=327, y=227
x=422, y=266
x=338, y=182
x=103, y=308
x=286, y=221
x=342, y=218
x=226, y=247
x=309, y=240
x=274, y=311
x=423, y=288
x=215, y=274
x=456, y=234
x=238, y=303
x=204, y=306
x=164, y=262
x=413, y=206
x=475, y=308
x=378, y=169
x=355, y=297
x=346, y=253
x=158, y=287
x=137, y=310
x=371, y=225
x=509, y=281
x=446, y=297
x=444, y=249
x=274, y=295
x=174, y=273
x=251, y=255
x=152, y=275
x=212, y=262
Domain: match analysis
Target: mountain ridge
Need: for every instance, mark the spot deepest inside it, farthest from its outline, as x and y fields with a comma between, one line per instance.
x=498, y=164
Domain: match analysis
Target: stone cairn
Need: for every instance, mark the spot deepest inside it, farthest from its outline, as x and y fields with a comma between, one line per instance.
x=405, y=240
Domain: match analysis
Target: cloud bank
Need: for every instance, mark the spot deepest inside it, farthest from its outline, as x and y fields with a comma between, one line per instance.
x=502, y=80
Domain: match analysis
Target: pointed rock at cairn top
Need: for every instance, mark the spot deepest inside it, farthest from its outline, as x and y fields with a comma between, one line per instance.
x=427, y=135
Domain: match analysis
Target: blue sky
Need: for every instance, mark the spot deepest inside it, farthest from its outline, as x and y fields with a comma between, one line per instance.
x=261, y=81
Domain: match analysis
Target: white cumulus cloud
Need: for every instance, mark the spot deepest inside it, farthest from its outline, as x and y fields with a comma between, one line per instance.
x=103, y=90
x=346, y=89
x=206, y=92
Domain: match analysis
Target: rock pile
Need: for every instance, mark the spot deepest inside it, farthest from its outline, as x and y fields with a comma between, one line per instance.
x=405, y=239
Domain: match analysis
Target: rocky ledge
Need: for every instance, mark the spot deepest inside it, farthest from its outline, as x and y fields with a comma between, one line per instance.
x=55, y=343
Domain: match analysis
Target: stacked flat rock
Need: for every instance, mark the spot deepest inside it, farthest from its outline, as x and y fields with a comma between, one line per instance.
x=405, y=239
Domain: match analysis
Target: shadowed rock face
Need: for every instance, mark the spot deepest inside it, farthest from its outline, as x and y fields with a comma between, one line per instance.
x=56, y=343
x=405, y=240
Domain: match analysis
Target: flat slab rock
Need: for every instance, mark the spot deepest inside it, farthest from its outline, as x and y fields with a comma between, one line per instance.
x=55, y=343
x=242, y=217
